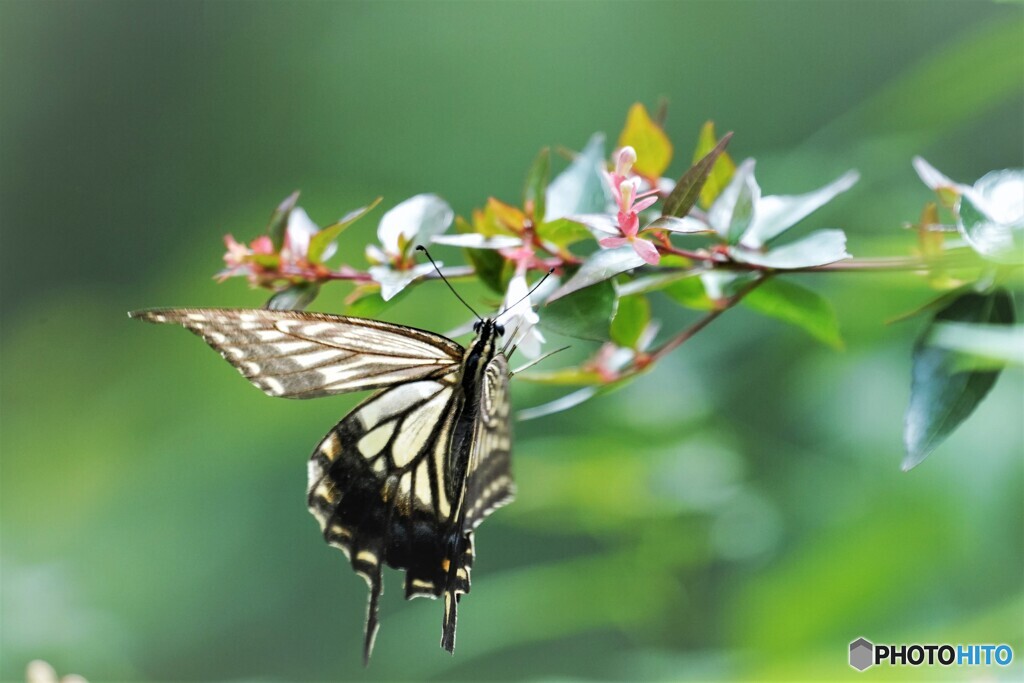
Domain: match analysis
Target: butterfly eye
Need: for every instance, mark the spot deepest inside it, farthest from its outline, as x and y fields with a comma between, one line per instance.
x=476, y=326
x=500, y=329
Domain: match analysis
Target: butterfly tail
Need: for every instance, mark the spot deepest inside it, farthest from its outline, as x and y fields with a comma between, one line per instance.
x=458, y=585
x=372, y=622
x=451, y=602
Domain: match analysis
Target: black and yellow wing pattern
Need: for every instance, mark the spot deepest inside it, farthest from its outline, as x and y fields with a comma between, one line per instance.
x=405, y=477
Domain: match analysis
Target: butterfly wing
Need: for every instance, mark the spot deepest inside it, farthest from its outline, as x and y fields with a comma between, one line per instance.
x=396, y=481
x=296, y=354
x=379, y=487
x=488, y=484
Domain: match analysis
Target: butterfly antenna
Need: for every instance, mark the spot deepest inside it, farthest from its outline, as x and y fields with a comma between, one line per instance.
x=527, y=295
x=434, y=263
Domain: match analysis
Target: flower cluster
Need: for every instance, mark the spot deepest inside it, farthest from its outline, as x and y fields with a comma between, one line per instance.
x=989, y=214
x=630, y=201
x=613, y=232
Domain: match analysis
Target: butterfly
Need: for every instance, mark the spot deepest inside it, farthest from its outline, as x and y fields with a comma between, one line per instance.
x=405, y=478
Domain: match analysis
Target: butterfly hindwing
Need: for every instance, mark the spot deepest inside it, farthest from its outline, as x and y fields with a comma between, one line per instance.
x=490, y=484
x=378, y=487
x=488, y=481
x=295, y=354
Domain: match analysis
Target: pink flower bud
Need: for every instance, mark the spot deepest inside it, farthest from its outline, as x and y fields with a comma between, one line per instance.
x=625, y=160
x=262, y=245
x=626, y=190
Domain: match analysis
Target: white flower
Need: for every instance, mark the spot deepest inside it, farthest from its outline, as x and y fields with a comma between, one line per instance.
x=989, y=214
x=519, y=318
x=298, y=233
x=393, y=281
x=414, y=222
x=750, y=222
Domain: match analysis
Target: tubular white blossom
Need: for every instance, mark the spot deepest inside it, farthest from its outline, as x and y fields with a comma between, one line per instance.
x=520, y=320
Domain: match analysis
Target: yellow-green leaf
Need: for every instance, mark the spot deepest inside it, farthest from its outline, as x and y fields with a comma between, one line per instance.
x=562, y=232
x=721, y=172
x=653, y=149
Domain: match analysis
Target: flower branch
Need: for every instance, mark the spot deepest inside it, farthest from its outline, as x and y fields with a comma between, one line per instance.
x=615, y=232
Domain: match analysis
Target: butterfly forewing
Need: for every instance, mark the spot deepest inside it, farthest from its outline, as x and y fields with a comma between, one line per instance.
x=294, y=354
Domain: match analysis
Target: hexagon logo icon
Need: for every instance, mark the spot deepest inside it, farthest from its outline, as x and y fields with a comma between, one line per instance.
x=862, y=654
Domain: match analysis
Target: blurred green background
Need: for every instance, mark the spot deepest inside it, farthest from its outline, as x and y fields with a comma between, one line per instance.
x=739, y=513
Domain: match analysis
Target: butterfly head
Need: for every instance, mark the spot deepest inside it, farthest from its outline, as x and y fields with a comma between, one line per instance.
x=488, y=326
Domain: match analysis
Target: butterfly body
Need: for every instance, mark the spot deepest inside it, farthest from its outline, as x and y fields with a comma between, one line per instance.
x=406, y=476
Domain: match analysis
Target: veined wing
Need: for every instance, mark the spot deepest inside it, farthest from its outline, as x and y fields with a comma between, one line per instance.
x=377, y=487
x=295, y=354
x=488, y=484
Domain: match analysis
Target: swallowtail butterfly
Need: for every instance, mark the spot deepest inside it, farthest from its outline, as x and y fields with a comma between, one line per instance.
x=406, y=477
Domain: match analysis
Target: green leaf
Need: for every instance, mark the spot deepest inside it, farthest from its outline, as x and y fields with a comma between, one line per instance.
x=687, y=191
x=319, y=242
x=371, y=304
x=537, y=184
x=721, y=170
x=294, y=298
x=653, y=148
x=492, y=269
x=599, y=267
x=819, y=248
x=689, y=292
x=563, y=232
x=799, y=306
x=490, y=266
x=743, y=208
x=941, y=396
x=981, y=347
x=279, y=220
x=631, y=319
x=585, y=314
